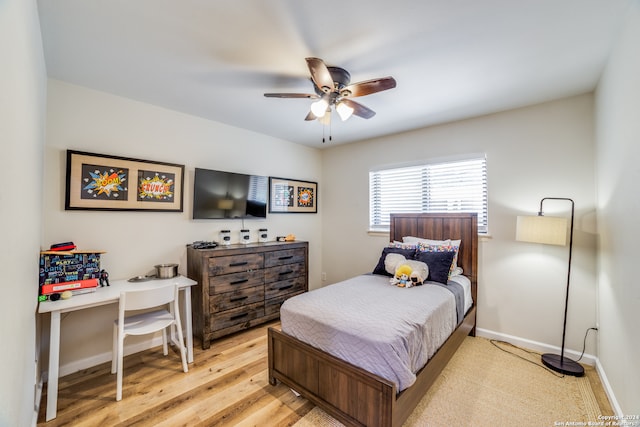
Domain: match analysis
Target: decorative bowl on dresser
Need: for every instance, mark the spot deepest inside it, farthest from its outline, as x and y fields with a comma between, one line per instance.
x=243, y=285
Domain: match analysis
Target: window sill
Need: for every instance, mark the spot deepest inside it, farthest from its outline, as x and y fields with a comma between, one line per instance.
x=377, y=233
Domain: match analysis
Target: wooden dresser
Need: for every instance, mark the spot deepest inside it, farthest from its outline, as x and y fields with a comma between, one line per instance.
x=240, y=286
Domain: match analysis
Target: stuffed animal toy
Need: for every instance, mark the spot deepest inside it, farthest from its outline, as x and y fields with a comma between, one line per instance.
x=406, y=272
x=401, y=278
x=416, y=278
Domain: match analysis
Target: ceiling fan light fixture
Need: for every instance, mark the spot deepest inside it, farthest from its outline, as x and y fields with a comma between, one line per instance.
x=344, y=111
x=319, y=108
x=333, y=89
x=326, y=119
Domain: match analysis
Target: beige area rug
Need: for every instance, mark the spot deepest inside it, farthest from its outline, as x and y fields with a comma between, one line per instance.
x=485, y=386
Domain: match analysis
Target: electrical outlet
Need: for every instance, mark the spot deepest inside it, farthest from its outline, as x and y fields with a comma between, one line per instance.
x=324, y=276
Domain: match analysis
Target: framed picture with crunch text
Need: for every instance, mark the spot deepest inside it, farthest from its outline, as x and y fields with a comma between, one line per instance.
x=103, y=182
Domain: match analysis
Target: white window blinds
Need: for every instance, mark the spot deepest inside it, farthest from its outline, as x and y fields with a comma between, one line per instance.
x=453, y=186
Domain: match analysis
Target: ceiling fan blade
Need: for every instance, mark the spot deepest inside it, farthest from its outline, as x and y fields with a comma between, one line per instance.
x=368, y=87
x=359, y=109
x=320, y=74
x=291, y=95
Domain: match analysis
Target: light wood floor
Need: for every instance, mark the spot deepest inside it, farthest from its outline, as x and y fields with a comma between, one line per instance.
x=226, y=385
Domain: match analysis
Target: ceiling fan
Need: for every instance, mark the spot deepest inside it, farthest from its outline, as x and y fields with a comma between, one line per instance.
x=333, y=89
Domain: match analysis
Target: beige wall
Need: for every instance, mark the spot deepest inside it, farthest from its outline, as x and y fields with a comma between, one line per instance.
x=82, y=119
x=543, y=150
x=22, y=106
x=618, y=152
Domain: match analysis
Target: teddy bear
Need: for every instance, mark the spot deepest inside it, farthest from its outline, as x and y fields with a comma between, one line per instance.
x=406, y=272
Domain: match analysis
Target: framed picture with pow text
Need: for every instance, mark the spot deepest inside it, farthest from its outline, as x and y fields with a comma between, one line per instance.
x=292, y=196
x=103, y=182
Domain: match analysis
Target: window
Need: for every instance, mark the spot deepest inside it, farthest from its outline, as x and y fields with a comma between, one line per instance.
x=451, y=186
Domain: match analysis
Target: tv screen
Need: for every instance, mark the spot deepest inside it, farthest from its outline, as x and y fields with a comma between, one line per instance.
x=220, y=195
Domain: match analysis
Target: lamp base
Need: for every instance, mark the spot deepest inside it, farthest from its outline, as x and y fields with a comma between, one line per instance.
x=562, y=364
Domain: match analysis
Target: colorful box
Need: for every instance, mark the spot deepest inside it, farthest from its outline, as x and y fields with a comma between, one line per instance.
x=60, y=267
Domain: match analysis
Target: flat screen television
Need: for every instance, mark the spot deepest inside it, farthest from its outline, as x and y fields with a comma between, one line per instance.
x=228, y=195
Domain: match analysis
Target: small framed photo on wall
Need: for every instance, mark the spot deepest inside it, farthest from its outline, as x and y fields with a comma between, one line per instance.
x=292, y=196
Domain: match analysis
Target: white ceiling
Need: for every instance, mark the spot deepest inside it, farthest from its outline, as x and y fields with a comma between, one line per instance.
x=452, y=59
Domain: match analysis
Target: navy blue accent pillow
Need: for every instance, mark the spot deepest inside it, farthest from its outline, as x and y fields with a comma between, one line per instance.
x=439, y=264
x=379, y=269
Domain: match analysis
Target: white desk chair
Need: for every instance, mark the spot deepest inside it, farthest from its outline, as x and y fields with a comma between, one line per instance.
x=146, y=323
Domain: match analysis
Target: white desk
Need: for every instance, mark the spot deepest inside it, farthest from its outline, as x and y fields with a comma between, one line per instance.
x=102, y=296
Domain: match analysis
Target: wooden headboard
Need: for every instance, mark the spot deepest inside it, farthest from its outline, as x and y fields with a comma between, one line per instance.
x=442, y=226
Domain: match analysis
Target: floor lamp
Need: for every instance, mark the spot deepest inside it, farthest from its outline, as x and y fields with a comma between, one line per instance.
x=552, y=231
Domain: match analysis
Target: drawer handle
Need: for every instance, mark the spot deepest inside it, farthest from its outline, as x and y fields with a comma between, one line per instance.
x=282, y=273
x=285, y=287
x=238, y=264
x=286, y=257
x=238, y=299
x=238, y=316
x=237, y=282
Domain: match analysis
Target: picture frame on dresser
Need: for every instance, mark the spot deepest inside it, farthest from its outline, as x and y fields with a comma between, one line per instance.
x=292, y=196
x=113, y=183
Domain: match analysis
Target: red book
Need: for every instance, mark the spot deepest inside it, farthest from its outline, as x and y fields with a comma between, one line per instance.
x=68, y=286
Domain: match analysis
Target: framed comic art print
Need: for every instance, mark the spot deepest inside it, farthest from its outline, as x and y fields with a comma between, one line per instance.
x=292, y=196
x=103, y=182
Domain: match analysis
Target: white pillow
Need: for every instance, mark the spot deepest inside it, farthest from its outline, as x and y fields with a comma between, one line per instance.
x=448, y=242
x=392, y=261
x=420, y=267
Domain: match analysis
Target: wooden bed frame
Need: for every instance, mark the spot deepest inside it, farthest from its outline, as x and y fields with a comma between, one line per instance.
x=352, y=395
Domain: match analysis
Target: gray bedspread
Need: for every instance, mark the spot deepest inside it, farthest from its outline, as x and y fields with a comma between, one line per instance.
x=384, y=329
x=458, y=292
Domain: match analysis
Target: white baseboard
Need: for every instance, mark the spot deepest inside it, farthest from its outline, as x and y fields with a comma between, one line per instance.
x=588, y=359
x=38, y=400
x=535, y=345
x=607, y=388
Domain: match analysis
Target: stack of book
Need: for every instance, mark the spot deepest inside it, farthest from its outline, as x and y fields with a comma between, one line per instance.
x=63, y=268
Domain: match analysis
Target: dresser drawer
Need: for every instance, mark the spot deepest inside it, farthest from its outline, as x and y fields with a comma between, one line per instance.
x=285, y=256
x=272, y=306
x=275, y=289
x=238, y=298
x=235, y=281
x=235, y=316
x=235, y=264
x=283, y=272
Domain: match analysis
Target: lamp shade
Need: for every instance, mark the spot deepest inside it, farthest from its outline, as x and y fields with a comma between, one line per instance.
x=319, y=108
x=548, y=230
x=344, y=111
